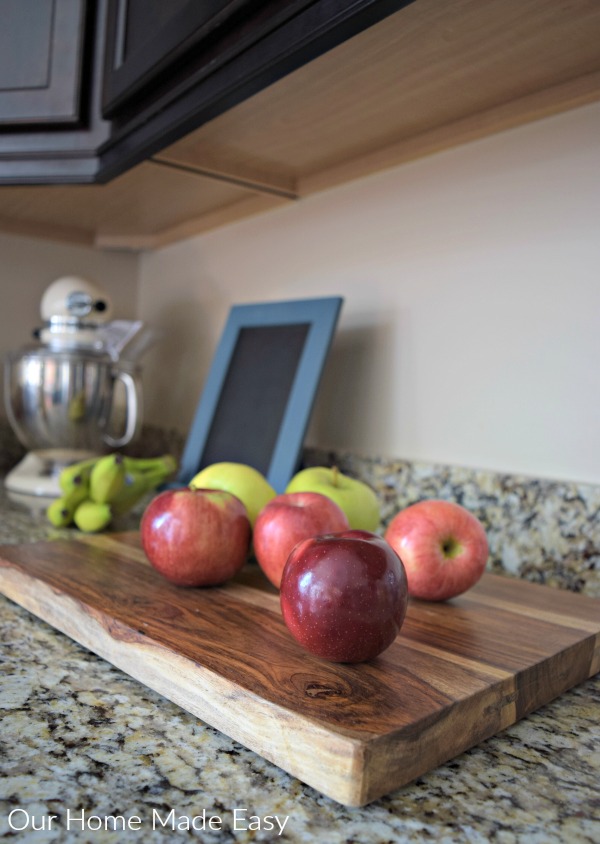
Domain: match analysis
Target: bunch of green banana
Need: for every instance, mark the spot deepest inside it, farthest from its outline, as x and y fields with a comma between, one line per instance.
x=141, y=476
x=96, y=490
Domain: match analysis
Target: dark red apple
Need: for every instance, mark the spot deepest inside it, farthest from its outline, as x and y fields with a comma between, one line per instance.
x=344, y=596
x=443, y=546
x=196, y=537
x=285, y=521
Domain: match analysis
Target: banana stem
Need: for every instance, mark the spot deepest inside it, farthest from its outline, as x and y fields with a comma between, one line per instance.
x=147, y=464
x=137, y=484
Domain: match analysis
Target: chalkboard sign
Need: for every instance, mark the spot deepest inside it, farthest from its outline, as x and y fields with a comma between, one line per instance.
x=260, y=391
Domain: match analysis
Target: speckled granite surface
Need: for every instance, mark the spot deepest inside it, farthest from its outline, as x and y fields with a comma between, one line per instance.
x=78, y=735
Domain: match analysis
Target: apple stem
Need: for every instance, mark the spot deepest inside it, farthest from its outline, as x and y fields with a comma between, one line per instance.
x=334, y=475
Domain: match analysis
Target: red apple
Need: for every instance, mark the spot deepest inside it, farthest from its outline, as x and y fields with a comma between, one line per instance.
x=443, y=546
x=344, y=596
x=285, y=521
x=196, y=537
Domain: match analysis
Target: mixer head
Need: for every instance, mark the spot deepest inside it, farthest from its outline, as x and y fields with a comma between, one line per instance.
x=73, y=309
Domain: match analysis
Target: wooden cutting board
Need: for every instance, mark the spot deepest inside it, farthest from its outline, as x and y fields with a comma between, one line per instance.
x=458, y=673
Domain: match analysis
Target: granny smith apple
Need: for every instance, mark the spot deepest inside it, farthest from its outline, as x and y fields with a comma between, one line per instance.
x=245, y=482
x=356, y=498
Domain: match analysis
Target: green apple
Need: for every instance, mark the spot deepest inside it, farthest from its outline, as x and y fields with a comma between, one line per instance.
x=356, y=498
x=245, y=482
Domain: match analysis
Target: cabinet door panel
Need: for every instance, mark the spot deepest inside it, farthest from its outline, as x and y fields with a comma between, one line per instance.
x=41, y=62
x=146, y=37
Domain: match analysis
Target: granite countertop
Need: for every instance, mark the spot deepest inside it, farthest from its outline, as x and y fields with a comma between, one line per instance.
x=78, y=735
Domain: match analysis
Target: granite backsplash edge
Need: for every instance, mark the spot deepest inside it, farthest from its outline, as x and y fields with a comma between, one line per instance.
x=546, y=531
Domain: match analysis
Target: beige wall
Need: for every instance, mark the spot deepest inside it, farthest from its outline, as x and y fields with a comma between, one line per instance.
x=470, y=332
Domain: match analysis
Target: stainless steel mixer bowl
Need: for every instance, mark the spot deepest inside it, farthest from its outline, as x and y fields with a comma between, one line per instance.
x=71, y=399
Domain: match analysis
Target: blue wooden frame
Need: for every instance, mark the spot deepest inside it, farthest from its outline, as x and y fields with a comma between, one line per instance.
x=321, y=315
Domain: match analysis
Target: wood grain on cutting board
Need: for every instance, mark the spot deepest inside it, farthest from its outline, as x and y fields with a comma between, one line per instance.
x=458, y=673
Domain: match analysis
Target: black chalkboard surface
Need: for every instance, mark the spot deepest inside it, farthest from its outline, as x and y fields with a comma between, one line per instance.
x=260, y=391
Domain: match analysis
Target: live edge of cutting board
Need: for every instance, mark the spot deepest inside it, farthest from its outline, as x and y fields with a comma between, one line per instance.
x=458, y=673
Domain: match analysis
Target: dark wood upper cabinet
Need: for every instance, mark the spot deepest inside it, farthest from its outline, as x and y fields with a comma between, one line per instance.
x=42, y=62
x=148, y=37
x=226, y=108
x=51, y=61
x=170, y=68
x=118, y=80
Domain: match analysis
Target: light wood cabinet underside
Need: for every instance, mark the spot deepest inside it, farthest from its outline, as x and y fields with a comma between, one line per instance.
x=432, y=76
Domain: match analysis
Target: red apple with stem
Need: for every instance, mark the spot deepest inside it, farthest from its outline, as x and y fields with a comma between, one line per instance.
x=443, y=546
x=196, y=537
x=344, y=596
x=288, y=519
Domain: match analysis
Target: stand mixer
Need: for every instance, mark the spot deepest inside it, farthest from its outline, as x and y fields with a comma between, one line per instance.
x=72, y=394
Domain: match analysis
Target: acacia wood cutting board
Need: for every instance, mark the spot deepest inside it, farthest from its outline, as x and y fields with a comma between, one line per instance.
x=458, y=673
